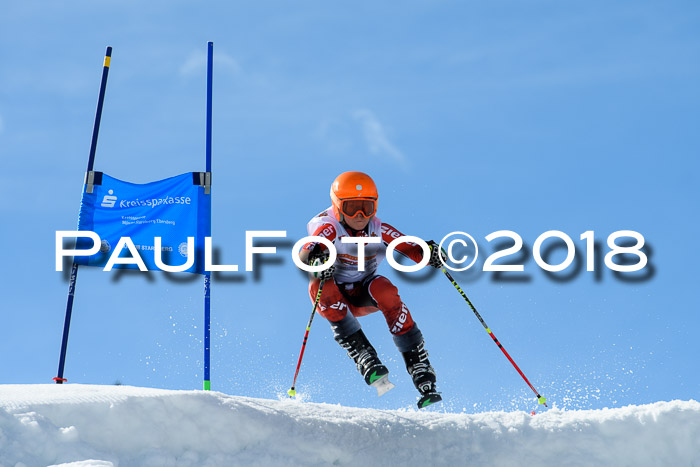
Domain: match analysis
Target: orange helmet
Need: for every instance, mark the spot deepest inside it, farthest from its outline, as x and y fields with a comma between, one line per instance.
x=352, y=194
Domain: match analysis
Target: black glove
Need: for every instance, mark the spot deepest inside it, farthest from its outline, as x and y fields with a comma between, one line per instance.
x=435, y=253
x=326, y=274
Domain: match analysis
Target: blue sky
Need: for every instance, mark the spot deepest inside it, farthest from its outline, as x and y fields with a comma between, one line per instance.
x=476, y=117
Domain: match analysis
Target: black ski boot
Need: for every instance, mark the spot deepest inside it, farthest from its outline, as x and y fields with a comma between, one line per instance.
x=423, y=375
x=365, y=357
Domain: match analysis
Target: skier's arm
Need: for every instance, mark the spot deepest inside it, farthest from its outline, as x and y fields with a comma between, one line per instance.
x=313, y=250
x=408, y=249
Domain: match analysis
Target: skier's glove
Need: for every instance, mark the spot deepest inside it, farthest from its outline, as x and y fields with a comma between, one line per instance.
x=435, y=253
x=326, y=274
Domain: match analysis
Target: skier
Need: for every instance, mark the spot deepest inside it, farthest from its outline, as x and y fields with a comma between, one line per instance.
x=349, y=293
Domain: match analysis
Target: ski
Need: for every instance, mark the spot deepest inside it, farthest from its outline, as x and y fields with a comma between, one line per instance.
x=383, y=385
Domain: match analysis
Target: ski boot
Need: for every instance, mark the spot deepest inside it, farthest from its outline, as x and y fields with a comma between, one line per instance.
x=423, y=375
x=368, y=364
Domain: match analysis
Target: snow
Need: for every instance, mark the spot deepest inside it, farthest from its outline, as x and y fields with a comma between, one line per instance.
x=83, y=425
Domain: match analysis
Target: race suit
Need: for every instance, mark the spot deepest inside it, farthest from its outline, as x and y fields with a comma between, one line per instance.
x=361, y=292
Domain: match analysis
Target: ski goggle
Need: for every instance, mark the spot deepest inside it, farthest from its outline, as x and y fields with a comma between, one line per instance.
x=353, y=207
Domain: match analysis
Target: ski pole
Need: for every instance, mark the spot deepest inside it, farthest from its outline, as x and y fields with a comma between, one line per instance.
x=292, y=392
x=540, y=399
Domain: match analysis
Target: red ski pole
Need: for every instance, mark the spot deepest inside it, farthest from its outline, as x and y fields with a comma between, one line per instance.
x=292, y=392
x=540, y=399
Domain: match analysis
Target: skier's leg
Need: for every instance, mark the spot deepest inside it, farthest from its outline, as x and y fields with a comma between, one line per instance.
x=386, y=297
x=407, y=336
x=347, y=331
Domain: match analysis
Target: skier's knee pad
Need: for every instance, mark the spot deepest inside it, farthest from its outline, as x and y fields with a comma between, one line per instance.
x=385, y=294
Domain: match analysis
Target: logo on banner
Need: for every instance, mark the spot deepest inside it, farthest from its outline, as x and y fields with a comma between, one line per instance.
x=183, y=249
x=109, y=200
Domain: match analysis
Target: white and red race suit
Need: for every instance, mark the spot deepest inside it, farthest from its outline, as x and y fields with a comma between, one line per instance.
x=360, y=292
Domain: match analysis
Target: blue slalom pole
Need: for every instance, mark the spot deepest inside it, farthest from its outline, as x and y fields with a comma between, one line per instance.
x=207, y=331
x=66, y=324
x=210, y=69
x=74, y=270
x=98, y=112
x=207, y=275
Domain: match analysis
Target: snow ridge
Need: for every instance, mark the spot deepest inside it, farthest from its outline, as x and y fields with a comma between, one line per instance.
x=81, y=425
